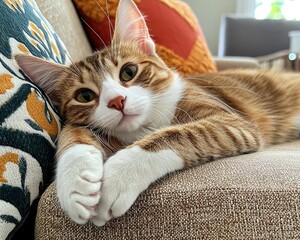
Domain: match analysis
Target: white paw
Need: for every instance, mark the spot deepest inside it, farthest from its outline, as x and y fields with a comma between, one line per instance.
x=128, y=173
x=78, y=179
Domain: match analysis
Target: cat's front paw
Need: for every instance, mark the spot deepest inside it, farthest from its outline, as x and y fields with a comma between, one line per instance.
x=79, y=174
x=125, y=176
x=128, y=173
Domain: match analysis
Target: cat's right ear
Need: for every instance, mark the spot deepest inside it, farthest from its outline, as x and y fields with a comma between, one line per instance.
x=130, y=25
x=42, y=72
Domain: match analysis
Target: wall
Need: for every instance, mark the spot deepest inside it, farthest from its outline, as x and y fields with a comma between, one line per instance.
x=209, y=13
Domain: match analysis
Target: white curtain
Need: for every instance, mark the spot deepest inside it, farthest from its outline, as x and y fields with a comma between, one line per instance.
x=245, y=7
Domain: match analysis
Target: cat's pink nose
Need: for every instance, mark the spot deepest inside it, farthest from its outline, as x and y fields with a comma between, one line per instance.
x=117, y=103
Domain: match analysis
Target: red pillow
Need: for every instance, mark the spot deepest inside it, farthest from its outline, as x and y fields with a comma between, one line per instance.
x=172, y=25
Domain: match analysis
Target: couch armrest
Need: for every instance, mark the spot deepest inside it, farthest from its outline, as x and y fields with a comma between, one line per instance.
x=235, y=62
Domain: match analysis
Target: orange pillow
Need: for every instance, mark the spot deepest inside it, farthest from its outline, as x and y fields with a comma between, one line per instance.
x=172, y=25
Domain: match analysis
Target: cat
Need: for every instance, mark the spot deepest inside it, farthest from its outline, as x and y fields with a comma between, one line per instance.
x=130, y=120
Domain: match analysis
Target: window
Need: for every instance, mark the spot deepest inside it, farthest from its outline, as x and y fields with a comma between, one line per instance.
x=277, y=9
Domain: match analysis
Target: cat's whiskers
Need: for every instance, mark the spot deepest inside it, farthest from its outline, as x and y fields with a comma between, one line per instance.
x=212, y=102
x=110, y=25
x=186, y=113
x=159, y=106
x=96, y=34
x=96, y=125
x=211, y=99
x=101, y=133
x=105, y=129
x=107, y=143
x=218, y=86
x=77, y=71
x=146, y=131
x=161, y=115
x=109, y=134
x=212, y=86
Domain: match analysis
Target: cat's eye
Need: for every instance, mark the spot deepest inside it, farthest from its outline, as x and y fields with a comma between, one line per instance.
x=85, y=95
x=128, y=72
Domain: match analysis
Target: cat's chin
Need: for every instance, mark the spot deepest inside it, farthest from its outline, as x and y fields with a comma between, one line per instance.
x=129, y=123
x=129, y=136
x=129, y=128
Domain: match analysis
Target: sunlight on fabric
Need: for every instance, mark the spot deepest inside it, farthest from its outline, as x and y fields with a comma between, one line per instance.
x=277, y=9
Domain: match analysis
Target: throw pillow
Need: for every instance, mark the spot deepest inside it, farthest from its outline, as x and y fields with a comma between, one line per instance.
x=28, y=123
x=172, y=25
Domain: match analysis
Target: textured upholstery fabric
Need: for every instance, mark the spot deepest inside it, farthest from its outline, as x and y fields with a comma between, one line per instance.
x=64, y=19
x=28, y=124
x=254, y=196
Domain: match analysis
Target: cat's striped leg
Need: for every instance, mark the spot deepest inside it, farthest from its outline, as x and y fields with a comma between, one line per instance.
x=130, y=171
x=79, y=173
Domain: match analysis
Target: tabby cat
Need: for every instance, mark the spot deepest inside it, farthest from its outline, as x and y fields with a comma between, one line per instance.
x=129, y=119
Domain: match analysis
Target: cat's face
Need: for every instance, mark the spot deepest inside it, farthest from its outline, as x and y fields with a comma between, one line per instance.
x=119, y=90
x=125, y=89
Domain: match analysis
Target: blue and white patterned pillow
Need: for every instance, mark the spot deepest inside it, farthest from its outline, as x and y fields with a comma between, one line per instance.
x=28, y=123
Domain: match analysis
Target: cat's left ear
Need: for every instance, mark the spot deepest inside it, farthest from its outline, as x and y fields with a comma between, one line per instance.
x=130, y=25
x=43, y=73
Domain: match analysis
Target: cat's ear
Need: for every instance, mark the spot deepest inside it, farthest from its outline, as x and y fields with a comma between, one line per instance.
x=43, y=73
x=130, y=25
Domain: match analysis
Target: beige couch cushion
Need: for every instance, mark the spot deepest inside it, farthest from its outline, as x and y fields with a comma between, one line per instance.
x=64, y=19
x=225, y=63
x=254, y=196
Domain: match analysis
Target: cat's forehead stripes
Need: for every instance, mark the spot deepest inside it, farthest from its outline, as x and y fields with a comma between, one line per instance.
x=84, y=66
x=94, y=61
x=108, y=55
x=88, y=71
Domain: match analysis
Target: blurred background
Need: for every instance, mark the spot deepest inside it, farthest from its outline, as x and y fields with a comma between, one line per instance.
x=210, y=12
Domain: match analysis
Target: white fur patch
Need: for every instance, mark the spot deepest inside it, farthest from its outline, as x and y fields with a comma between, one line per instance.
x=164, y=104
x=79, y=171
x=136, y=107
x=128, y=173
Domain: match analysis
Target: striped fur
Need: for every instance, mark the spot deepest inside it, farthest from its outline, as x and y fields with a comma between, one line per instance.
x=229, y=112
x=197, y=120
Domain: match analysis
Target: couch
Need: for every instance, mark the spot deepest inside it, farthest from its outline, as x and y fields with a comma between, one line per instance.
x=242, y=36
x=253, y=196
x=267, y=40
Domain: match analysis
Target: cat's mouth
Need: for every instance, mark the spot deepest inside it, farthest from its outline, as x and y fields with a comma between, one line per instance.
x=127, y=118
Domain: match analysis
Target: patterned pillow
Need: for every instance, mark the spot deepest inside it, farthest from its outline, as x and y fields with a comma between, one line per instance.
x=172, y=25
x=28, y=123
